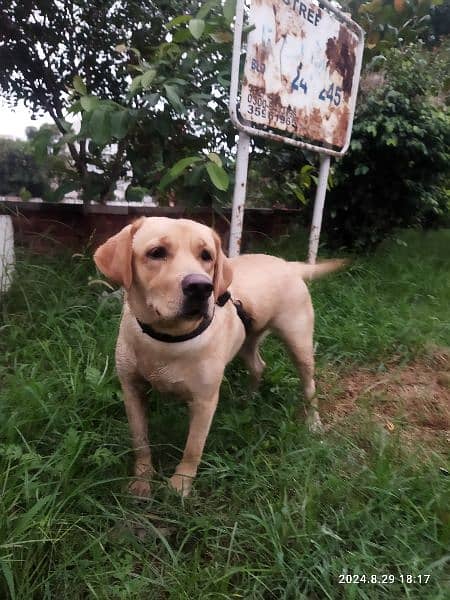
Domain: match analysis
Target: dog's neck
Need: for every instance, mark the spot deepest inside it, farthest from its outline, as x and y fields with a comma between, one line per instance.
x=170, y=338
x=173, y=330
x=178, y=327
x=162, y=327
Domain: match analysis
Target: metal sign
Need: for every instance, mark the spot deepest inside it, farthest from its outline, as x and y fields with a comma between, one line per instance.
x=299, y=87
x=299, y=71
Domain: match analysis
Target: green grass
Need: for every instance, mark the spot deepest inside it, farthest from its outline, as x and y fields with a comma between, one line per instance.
x=275, y=511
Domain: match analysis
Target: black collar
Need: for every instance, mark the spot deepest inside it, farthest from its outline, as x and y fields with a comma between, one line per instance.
x=172, y=339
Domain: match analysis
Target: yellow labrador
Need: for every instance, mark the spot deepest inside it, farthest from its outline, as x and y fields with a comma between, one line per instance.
x=188, y=311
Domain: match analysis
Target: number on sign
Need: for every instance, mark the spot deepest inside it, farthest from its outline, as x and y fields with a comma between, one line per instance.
x=332, y=94
x=299, y=84
x=257, y=66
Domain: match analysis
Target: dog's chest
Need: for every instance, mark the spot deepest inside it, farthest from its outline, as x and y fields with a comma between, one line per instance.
x=178, y=377
x=167, y=377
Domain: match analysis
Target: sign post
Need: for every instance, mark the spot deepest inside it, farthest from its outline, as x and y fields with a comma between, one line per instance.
x=319, y=203
x=299, y=87
x=240, y=187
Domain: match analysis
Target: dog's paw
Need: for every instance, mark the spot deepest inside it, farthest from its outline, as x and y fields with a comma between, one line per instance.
x=314, y=423
x=140, y=488
x=181, y=484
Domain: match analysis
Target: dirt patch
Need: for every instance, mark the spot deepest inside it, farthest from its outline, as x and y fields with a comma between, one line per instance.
x=412, y=400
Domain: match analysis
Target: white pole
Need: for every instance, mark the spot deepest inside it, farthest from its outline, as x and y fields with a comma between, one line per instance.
x=319, y=203
x=240, y=186
x=7, y=259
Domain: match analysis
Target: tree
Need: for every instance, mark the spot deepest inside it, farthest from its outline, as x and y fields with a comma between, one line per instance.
x=45, y=46
x=175, y=113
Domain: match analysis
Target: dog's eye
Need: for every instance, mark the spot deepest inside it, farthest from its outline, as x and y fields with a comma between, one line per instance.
x=205, y=255
x=157, y=253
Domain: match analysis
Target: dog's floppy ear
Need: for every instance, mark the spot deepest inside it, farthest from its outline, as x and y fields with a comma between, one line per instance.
x=113, y=258
x=223, y=273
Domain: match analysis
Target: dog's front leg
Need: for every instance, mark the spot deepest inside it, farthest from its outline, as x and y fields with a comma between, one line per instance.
x=136, y=409
x=201, y=413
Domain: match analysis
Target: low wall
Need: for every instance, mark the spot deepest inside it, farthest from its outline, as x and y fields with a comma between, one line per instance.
x=46, y=227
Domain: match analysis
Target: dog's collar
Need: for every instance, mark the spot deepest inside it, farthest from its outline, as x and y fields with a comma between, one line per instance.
x=172, y=339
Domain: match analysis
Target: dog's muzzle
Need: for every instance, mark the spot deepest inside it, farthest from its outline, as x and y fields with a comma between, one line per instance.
x=197, y=289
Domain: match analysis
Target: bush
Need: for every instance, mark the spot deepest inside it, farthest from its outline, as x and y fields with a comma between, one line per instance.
x=397, y=171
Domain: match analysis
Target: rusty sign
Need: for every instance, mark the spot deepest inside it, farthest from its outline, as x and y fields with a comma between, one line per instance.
x=302, y=71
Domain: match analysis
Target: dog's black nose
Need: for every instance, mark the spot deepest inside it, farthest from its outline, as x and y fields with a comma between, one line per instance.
x=197, y=286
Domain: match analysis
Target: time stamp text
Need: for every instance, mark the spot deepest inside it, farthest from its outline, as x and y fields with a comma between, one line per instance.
x=384, y=578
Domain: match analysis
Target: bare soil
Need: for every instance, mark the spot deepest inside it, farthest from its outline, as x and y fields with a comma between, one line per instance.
x=412, y=400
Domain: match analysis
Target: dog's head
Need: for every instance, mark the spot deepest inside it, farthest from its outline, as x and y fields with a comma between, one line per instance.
x=173, y=269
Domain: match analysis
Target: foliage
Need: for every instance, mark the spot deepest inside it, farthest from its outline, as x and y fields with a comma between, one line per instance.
x=280, y=178
x=274, y=510
x=20, y=175
x=47, y=46
x=393, y=23
x=175, y=108
x=396, y=173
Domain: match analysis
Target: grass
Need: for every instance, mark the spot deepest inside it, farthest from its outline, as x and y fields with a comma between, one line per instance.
x=275, y=512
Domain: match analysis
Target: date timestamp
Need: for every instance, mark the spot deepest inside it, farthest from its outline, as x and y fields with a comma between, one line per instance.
x=384, y=578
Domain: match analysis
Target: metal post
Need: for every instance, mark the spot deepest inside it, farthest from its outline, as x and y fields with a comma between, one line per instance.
x=240, y=186
x=319, y=203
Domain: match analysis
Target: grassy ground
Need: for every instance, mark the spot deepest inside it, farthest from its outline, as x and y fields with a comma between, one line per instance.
x=275, y=512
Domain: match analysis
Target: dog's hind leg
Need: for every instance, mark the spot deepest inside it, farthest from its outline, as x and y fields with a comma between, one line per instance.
x=296, y=330
x=252, y=358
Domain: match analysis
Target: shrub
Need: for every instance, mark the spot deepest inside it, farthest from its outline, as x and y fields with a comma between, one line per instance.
x=397, y=171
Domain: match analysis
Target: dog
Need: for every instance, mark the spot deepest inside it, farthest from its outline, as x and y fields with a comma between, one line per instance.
x=188, y=310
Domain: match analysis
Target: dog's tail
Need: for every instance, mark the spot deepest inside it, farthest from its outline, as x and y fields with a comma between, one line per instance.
x=309, y=272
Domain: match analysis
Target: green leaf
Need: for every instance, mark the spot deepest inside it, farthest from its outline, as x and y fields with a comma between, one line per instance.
x=306, y=170
x=361, y=170
x=392, y=140
x=89, y=103
x=173, y=98
x=218, y=176
x=120, y=120
x=182, y=35
x=177, y=169
x=229, y=10
x=147, y=78
x=178, y=21
x=205, y=8
x=135, y=85
x=79, y=85
x=215, y=158
x=99, y=127
x=9, y=578
x=297, y=191
x=197, y=27
x=75, y=107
